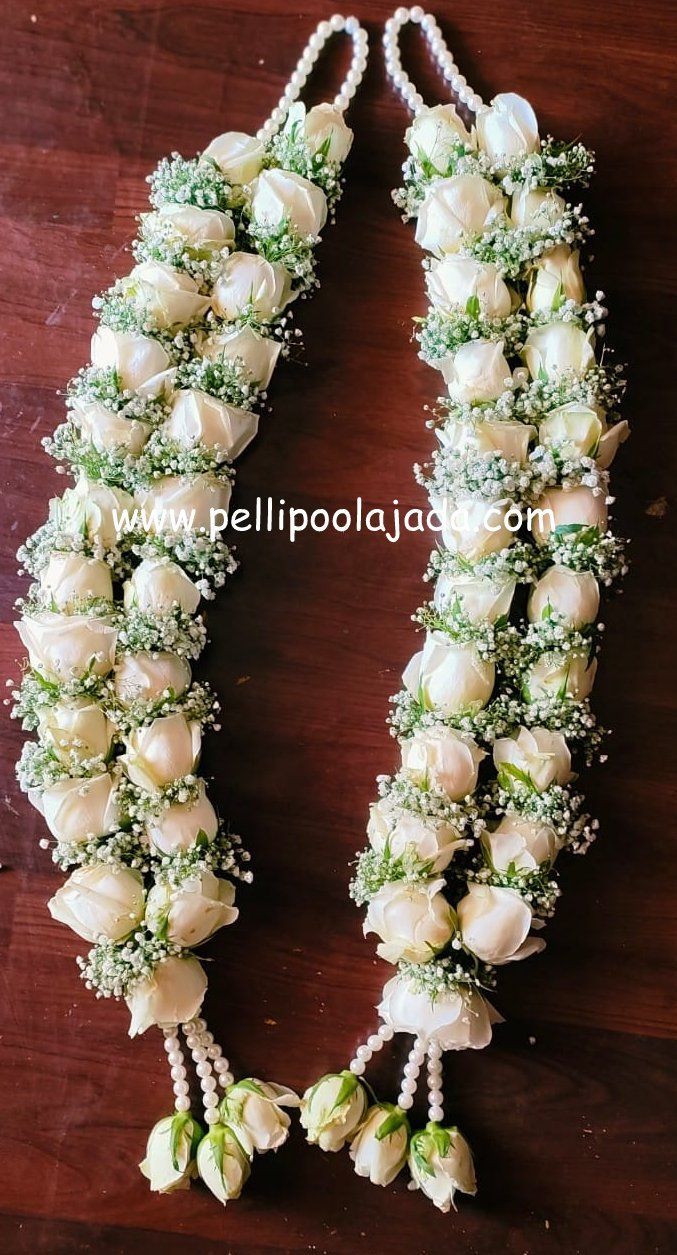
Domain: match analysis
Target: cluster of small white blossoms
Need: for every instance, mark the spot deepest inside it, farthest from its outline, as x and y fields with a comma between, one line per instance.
x=458, y=875
x=185, y=349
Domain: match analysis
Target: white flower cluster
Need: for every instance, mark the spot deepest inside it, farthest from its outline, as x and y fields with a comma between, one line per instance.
x=457, y=877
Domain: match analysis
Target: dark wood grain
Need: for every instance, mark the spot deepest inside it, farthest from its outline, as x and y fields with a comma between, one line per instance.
x=571, y=1111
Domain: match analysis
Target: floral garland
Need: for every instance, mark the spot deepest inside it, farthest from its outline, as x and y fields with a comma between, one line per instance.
x=186, y=347
x=459, y=874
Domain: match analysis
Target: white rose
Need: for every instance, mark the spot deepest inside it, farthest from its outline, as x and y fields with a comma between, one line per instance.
x=566, y=507
x=433, y=841
x=178, y=826
x=70, y=578
x=441, y=1164
x=510, y=439
x=541, y=755
x=413, y=920
x=190, y=913
x=449, y=677
x=77, y=811
x=568, y=674
x=248, y=282
x=198, y=418
x=507, y=129
x=464, y=205
x=477, y=371
x=279, y=196
x=171, y=298
x=222, y=1163
x=557, y=348
x=379, y=1148
x=170, y=1153
x=258, y=354
x=454, y=280
x=184, y=502
x=105, y=429
x=495, y=923
x=536, y=207
x=609, y=443
x=238, y=156
x=204, y=230
x=522, y=844
x=103, y=900
x=474, y=527
x=574, y=428
x=65, y=647
x=92, y=509
x=332, y=1110
x=140, y=362
x=572, y=596
x=555, y=276
x=172, y=995
x=435, y=136
x=439, y=756
x=162, y=751
x=480, y=599
x=323, y=128
x=147, y=677
x=254, y=1109
x=158, y=585
x=76, y=727
x=455, y=1020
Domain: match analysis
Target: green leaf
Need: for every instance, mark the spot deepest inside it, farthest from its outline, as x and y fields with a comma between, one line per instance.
x=395, y=1120
x=472, y=306
x=508, y=772
x=177, y=1130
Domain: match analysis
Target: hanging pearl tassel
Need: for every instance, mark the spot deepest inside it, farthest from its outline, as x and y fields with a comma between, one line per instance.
x=199, y=1041
x=411, y=1073
x=306, y=62
x=177, y=1069
x=374, y=1043
x=435, y=1095
x=440, y=53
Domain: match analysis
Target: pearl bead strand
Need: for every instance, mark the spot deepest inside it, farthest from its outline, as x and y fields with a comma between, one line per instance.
x=374, y=1043
x=177, y=1068
x=306, y=62
x=435, y=1095
x=440, y=53
x=208, y=1059
x=411, y=1073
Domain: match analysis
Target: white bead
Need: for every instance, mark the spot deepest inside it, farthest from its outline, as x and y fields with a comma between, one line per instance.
x=436, y=1097
x=181, y=1087
x=192, y=1041
x=409, y=1085
x=324, y=30
x=204, y=1069
x=375, y=1042
x=214, y=1051
x=436, y=1113
x=405, y=1101
x=336, y=21
x=171, y=1042
x=386, y=1031
x=226, y=1079
x=174, y=1058
x=178, y=1073
x=208, y=1084
x=211, y=1101
x=200, y=1025
x=357, y=1067
x=182, y=1103
x=352, y=25
x=211, y=1116
x=416, y=14
x=364, y=1052
x=221, y=1065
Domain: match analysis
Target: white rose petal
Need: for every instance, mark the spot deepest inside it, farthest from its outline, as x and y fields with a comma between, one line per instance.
x=560, y=507
x=101, y=900
x=555, y=277
x=198, y=418
x=179, y=503
x=522, y=844
x=172, y=995
x=222, y=1163
x=455, y=280
x=169, y=1164
x=541, y=755
x=92, y=509
x=77, y=811
x=571, y=596
x=507, y=129
x=255, y=1110
x=178, y=826
x=568, y=674
x=379, y=1148
x=449, y=677
x=332, y=1110
x=258, y=354
x=248, y=282
x=140, y=362
x=171, y=298
x=435, y=135
x=414, y=921
x=434, y=842
x=456, y=1021
x=157, y=585
x=536, y=207
x=162, y=751
x=441, y=757
x=69, y=578
x=190, y=913
x=476, y=372
x=106, y=430
x=323, y=128
x=65, y=647
x=558, y=348
x=146, y=677
x=464, y=205
x=480, y=599
x=76, y=728
x=280, y=195
x=205, y=230
x=510, y=439
x=441, y=1164
x=495, y=923
x=474, y=527
x=239, y=156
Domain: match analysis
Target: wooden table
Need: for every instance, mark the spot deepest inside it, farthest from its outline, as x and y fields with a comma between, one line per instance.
x=571, y=1111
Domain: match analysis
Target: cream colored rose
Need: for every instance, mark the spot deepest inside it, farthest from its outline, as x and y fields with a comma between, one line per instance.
x=507, y=129
x=106, y=430
x=413, y=920
x=70, y=578
x=536, y=207
x=522, y=844
x=94, y=510
x=573, y=428
x=557, y=348
x=495, y=923
x=255, y=1110
x=477, y=371
x=198, y=418
x=510, y=439
x=555, y=276
x=172, y=995
x=249, y=283
x=541, y=755
x=609, y=443
x=178, y=826
x=190, y=913
x=171, y=298
x=157, y=585
x=169, y=1164
x=440, y=757
x=571, y=596
x=76, y=728
x=399, y=831
x=480, y=599
x=258, y=354
x=238, y=156
x=435, y=135
x=455, y=280
x=77, y=810
x=102, y=900
x=379, y=1148
x=146, y=677
x=449, y=677
x=562, y=507
x=140, y=362
x=474, y=527
x=205, y=231
x=323, y=128
x=441, y=1164
x=179, y=503
x=455, y=1020
x=569, y=674
x=332, y=1110
x=222, y=1163
x=65, y=647
x=465, y=205
x=162, y=751
x=282, y=196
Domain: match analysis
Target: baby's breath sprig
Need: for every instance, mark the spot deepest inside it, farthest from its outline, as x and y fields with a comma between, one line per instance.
x=178, y=180
x=556, y=806
x=290, y=151
x=452, y=974
x=490, y=476
x=279, y=242
x=40, y=766
x=227, y=380
x=225, y=854
x=539, y=888
x=442, y=332
x=104, y=386
x=112, y=969
x=172, y=631
x=160, y=241
x=126, y=848
x=198, y=704
x=420, y=175
x=208, y=562
x=140, y=805
x=454, y=623
x=376, y=868
x=556, y=467
x=109, y=466
x=164, y=456
x=36, y=694
x=602, y=386
x=584, y=548
x=429, y=801
x=555, y=165
x=513, y=250
x=521, y=562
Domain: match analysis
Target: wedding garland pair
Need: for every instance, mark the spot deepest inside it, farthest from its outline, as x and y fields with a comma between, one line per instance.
x=186, y=346
x=458, y=877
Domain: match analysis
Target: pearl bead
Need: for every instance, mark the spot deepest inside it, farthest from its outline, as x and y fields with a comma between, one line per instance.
x=208, y=1084
x=364, y=1052
x=174, y=1058
x=181, y=1087
x=409, y=1085
x=417, y=13
x=436, y=1096
x=357, y=1067
x=204, y=1069
x=405, y=1101
x=375, y=1042
x=436, y=1113
x=192, y=1041
x=213, y=1052
x=324, y=30
x=386, y=1031
x=182, y=1103
x=210, y=1101
x=336, y=22
x=178, y=1073
x=171, y=1043
x=211, y=1116
x=200, y=1025
x=221, y=1065
x=352, y=26
x=226, y=1079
